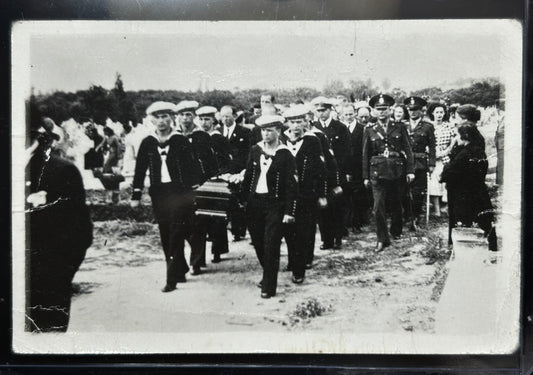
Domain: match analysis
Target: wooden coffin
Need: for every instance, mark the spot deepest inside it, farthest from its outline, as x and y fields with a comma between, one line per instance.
x=212, y=198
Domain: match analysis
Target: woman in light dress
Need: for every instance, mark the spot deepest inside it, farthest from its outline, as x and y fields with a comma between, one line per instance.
x=444, y=142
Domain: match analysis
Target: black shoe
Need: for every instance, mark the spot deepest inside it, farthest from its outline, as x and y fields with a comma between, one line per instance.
x=216, y=258
x=260, y=284
x=380, y=246
x=265, y=295
x=297, y=280
x=182, y=279
x=357, y=230
x=396, y=236
x=326, y=246
x=237, y=238
x=196, y=271
x=338, y=244
x=413, y=227
x=308, y=266
x=168, y=288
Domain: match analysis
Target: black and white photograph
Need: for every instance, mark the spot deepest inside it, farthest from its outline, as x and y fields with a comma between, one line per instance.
x=348, y=187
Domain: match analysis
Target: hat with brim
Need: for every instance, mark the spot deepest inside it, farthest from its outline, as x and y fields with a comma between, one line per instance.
x=270, y=121
x=381, y=101
x=187, y=106
x=321, y=102
x=160, y=107
x=206, y=111
x=414, y=103
x=296, y=112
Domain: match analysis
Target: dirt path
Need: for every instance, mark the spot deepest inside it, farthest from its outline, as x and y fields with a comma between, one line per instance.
x=352, y=289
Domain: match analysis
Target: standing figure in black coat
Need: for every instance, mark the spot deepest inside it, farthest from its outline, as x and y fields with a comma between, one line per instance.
x=332, y=226
x=217, y=154
x=239, y=139
x=310, y=167
x=356, y=193
x=270, y=188
x=387, y=158
x=59, y=231
x=174, y=172
x=422, y=135
x=468, y=198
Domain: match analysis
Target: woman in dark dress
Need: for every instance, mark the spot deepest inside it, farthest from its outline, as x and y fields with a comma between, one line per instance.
x=464, y=175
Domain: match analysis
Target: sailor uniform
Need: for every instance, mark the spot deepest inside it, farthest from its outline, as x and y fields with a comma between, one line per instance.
x=270, y=189
x=172, y=200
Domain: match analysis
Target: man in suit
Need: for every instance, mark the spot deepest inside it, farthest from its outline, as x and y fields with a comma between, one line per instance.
x=422, y=136
x=239, y=142
x=355, y=192
x=387, y=157
x=339, y=137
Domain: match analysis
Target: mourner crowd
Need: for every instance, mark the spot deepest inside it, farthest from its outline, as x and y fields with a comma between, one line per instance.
x=330, y=164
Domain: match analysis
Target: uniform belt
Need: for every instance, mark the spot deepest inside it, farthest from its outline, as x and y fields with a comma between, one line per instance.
x=419, y=154
x=391, y=154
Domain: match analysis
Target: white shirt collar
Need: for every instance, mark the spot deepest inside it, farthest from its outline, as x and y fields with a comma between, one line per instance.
x=326, y=123
x=228, y=130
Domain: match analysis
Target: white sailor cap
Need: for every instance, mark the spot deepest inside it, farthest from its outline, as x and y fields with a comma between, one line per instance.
x=187, y=106
x=295, y=112
x=321, y=102
x=206, y=110
x=361, y=104
x=160, y=107
x=268, y=121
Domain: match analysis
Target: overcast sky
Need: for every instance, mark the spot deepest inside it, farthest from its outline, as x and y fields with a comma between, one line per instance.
x=266, y=55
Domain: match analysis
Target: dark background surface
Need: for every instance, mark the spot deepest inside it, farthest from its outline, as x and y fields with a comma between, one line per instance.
x=14, y=10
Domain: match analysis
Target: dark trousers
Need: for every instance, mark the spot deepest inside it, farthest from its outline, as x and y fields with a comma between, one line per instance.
x=382, y=191
x=202, y=225
x=300, y=237
x=174, y=213
x=357, y=207
x=331, y=220
x=418, y=190
x=50, y=291
x=237, y=217
x=265, y=217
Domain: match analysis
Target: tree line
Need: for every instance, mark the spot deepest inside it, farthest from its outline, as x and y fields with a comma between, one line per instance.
x=98, y=104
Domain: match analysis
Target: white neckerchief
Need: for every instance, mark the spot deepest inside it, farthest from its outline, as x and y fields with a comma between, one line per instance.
x=295, y=148
x=264, y=164
x=228, y=131
x=163, y=153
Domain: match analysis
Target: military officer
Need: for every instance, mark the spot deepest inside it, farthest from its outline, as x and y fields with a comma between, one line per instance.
x=239, y=142
x=270, y=189
x=422, y=135
x=387, y=157
x=332, y=216
x=310, y=167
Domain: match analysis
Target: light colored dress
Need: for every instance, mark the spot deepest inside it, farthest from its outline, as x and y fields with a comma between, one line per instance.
x=444, y=134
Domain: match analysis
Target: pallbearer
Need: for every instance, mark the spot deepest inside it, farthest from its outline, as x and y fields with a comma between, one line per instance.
x=215, y=226
x=173, y=174
x=270, y=189
x=422, y=136
x=304, y=145
x=239, y=142
x=386, y=159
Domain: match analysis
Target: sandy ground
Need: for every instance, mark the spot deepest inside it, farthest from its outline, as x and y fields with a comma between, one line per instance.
x=351, y=289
